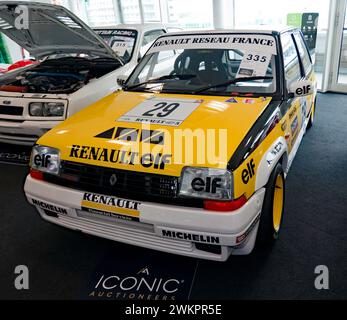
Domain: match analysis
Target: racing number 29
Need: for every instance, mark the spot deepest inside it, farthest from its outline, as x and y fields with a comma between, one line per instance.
x=162, y=109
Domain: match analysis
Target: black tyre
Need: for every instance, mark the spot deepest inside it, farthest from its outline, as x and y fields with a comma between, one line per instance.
x=272, y=211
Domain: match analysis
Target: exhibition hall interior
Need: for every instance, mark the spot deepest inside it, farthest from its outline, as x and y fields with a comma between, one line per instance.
x=173, y=150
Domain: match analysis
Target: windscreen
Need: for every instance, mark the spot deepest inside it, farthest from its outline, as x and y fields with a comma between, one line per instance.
x=211, y=64
x=122, y=41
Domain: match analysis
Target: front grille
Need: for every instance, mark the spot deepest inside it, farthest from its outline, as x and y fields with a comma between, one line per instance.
x=127, y=184
x=11, y=110
x=12, y=120
x=18, y=135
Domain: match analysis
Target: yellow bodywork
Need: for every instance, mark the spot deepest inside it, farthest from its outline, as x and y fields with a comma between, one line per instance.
x=216, y=120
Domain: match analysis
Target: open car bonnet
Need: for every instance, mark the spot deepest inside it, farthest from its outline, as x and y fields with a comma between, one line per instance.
x=44, y=29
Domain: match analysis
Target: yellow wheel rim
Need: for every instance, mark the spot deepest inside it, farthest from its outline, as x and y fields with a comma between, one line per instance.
x=278, y=202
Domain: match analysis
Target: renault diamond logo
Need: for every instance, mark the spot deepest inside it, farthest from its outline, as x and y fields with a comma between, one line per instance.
x=113, y=180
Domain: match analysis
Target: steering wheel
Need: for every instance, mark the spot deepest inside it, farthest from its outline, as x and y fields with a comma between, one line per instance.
x=188, y=71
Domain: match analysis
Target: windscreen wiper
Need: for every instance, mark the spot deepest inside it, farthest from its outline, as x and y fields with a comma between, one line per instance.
x=233, y=81
x=163, y=78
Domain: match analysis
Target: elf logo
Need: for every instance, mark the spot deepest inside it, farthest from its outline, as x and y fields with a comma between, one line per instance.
x=248, y=173
x=42, y=160
x=132, y=134
x=210, y=185
x=304, y=90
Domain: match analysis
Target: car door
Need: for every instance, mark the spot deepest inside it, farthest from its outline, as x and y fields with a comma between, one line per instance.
x=293, y=119
x=307, y=70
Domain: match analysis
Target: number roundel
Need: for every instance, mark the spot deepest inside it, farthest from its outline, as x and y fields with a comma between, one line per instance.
x=256, y=57
x=165, y=110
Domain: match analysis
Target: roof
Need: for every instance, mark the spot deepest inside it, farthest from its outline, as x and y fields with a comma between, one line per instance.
x=135, y=26
x=262, y=29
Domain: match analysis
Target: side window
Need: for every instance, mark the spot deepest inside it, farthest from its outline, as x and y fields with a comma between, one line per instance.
x=158, y=65
x=166, y=55
x=304, y=55
x=291, y=59
x=150, y=36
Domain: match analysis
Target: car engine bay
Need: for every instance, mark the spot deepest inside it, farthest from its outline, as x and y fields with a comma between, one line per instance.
x=58, y=76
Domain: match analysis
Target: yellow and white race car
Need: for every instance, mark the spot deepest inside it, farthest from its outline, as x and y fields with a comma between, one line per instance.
x=191, y=156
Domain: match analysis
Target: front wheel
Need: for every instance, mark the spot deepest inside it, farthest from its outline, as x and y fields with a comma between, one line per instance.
x=272, y=212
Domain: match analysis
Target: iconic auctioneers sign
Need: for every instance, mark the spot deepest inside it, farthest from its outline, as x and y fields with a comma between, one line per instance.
x=248, y=42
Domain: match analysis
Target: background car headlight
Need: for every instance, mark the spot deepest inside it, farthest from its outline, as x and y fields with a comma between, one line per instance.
x=53, y=109
x=36, y=109
x=45, y=159
x=206, y=183
x=46, y=109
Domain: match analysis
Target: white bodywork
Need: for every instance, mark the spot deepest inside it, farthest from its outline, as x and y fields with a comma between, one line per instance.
x=25, y=129
x=235, y=230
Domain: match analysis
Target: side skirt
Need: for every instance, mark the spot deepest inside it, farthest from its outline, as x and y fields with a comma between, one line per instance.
x=296, y=147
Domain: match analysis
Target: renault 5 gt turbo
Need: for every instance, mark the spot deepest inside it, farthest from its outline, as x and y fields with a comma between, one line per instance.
x=191, y=156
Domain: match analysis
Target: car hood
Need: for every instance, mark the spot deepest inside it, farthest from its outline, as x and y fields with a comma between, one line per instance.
x=50, y=29
x=97, y=134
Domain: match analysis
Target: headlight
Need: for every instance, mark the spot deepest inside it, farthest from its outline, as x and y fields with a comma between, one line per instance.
x=45, y=159
x=46, y=109
x=36, y=109
x=206, y=183
x=53, y=109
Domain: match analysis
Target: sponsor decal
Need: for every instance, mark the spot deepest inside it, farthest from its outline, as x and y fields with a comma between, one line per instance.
x=124, y=157
x=292, y=113
x=210, y=185
x=47, y=206
x=231, y=100
x=109, y=206
x=156, y=148
x=244, y=72
x=258, y=43
x=271, y=156
x=253, y=65
x=249, y=172
x=303, y=102
x=304, y=90
x=284, y=125
x=294, y=126
x=141, y=275
x=303, y=110
x=42, y=160
x=244, y=236
x=134, y=135
x=190, y=236
x=249, y=101
x=166, y=112
x=118, y=32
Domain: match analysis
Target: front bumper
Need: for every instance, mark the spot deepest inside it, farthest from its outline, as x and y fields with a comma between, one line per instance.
x=187, y=230
x=24, y=132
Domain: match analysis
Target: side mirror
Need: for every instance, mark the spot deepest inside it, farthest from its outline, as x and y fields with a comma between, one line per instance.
x=121, y=80
x=301, y=88
x=139, y=58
